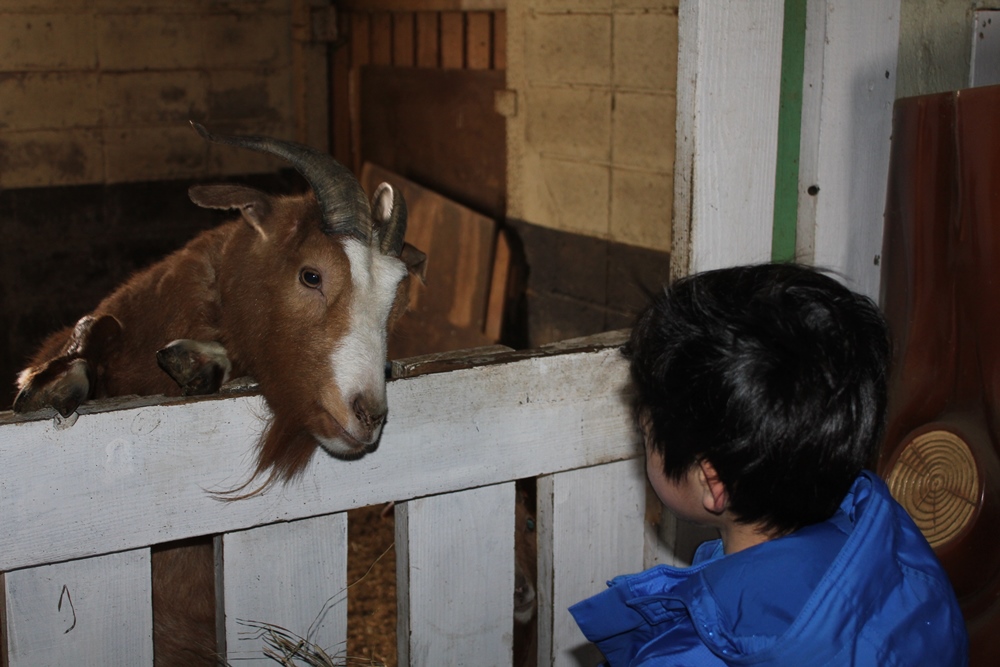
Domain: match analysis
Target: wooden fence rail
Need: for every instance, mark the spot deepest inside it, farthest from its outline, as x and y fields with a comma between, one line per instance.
x=81, y=504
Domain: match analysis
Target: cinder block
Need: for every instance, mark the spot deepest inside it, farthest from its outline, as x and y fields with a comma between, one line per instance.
x=45, y=42
x=655, y=5
x=644, y=134
x=572, y=122
x=142, y=154
x=43, y=101
x=571, y=196
x=251, y=102
x=568, y=48
x=50, y=157
x=247, y=40
x=641, y=208
x=199, y=6
x=130, y=42
x=153, y=98
x=571, y=5
x=645, y=50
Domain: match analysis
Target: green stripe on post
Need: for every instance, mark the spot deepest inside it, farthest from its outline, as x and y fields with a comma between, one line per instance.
x=786, y=177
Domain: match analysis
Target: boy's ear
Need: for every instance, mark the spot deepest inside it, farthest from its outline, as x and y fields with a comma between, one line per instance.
x=714, y=497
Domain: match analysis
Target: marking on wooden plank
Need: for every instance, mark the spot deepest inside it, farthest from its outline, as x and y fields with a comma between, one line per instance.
x=57, y=613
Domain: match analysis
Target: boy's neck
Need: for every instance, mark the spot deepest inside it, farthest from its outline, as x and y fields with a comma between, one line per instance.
x=740, y=536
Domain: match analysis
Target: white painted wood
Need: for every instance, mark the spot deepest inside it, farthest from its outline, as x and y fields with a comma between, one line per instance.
x=849, y=88
x=728, y=80
x=289, y=575
x=138, y=476
x=590, y=530
x=984, y=68
x=95, y=611
x=455, y=578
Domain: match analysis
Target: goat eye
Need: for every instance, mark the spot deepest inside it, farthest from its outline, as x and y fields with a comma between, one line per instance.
x=310, y=278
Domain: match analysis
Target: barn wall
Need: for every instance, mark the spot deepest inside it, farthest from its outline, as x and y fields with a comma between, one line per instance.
x=590, y=157
x=591, y=145
x=101, y=91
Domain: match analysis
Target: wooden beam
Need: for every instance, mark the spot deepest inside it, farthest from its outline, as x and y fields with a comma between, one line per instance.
x=133, y=476
x=848, y=93
x=728, y=77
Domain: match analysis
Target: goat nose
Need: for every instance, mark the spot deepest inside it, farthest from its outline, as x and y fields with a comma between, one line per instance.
x=369, y=416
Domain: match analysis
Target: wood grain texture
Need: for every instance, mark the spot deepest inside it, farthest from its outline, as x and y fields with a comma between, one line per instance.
x=290, y=575
x=729, y=69
x=456, y=580
x=848, y=95
x=59, y=613
x=438, y=128
x=592, y=519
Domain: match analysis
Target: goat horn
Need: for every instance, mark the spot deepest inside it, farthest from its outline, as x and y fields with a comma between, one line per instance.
x=340, y=196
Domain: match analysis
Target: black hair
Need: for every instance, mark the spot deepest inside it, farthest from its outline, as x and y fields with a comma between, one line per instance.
x=773, y=373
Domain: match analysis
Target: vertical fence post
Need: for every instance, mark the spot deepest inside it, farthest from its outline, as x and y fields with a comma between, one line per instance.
x=95, y=611
x=455, y=578
x=288, y=575
x=590, y=529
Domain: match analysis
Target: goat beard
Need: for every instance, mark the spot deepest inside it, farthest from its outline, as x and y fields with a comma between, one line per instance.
x=283, y=452
x=285, y=449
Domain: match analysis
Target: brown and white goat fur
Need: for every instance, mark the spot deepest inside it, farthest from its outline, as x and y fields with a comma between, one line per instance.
x=298, y=293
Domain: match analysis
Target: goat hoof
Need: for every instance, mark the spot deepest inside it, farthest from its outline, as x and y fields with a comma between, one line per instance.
x=62, y=384
x=197, y=367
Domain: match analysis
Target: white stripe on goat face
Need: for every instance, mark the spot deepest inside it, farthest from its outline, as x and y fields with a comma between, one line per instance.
x=359, y=358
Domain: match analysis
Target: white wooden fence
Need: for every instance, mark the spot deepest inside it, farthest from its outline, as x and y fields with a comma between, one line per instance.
x=81, y=504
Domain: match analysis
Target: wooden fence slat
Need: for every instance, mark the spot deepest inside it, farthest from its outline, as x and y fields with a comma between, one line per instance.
x=428, y=43
x=590, y=529
x=381, y=38
x=455, y=578
x=452, y=40
x=402, y=39
x=340, y=116
x=360, y=39
x=138, y=476
x=290, y=575
x=96, y=611
x=479, y=40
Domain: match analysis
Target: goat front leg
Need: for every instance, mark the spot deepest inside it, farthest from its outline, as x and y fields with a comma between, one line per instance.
x=66, y=379
x=61, y=384
x=199, y=367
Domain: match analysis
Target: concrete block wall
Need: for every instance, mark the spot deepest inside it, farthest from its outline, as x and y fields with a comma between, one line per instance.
x=101, y=91
x=591, y=140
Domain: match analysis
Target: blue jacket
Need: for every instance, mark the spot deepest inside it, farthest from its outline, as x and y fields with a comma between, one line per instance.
x=863, y=589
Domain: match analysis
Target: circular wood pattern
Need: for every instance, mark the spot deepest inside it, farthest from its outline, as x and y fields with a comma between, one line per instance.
x=936, y=480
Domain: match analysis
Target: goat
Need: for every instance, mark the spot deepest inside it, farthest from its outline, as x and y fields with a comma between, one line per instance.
x=299, y=294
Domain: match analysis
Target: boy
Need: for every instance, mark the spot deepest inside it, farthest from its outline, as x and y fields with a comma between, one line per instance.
x=761, y=395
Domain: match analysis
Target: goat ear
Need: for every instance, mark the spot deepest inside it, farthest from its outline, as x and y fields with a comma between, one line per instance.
x=252, y=204
x=415, y=260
